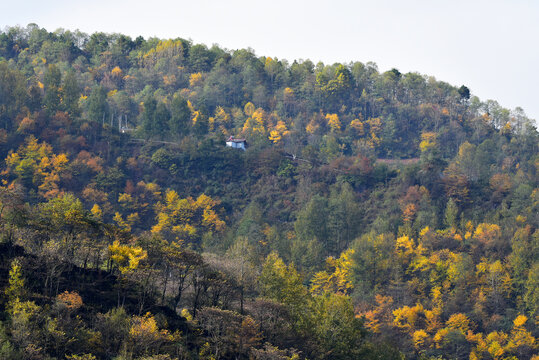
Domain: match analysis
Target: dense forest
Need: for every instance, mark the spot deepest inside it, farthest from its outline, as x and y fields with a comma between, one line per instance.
x=374, y=215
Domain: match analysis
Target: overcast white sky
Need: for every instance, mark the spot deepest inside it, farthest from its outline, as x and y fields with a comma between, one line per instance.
x=491, y=46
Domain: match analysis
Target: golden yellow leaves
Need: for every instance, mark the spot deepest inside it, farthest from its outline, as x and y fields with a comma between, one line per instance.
x=153, y=188
x=419, y=338
x=144, y=327
x=195, y=79
x=506, y=129
x=520, y=337
x=97, y=212
x=36, y=163
x=260, y=118
x=255, y=123
x=428, y=141
x=187, y=218
x=38, y=60
x=277, y=134
x=16, y=282
x=312, y=127
x=122, y=224
x=126, y=257
x=487, y=233
x=320, y=123
x=458, y=321
x=144, y=333
x=117, y=72
x=498, y=344
x=375, y=128
x=519, y=321
x=338, y=277
x=269, y=64
x=221, y=120
x=249, y=109
x=358, y=127
x=133, y=218
x=163, y=222
x=333, y=122
x=406, y=318
x=164, y=49
x=404, y=246
x=196, y=117
x=381, y=314
x=210, y=219
x=221, y=116
x=520, y=219
x=288, y=94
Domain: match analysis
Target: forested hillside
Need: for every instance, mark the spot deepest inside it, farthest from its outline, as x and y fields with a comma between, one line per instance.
x=374, y=215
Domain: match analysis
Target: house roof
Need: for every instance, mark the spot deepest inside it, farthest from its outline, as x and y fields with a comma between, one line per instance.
x=232, y=139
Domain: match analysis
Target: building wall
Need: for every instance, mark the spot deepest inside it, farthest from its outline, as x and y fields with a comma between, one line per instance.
x=236, y=145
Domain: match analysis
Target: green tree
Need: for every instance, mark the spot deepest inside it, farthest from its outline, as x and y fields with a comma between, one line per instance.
x=531, y=297
x=97, y=107
x=97, y=43
x=464, y=92
x=148, y=116
x=15, y=290
x=311, y=221
x=12, y=94
x=373, y=263
x=155, y=118
x=161, y=121
x=451, y=214
x=114, y=329
x=71, y=94
x=284, y=284
x=340, y=334
x=343, y=220
x=180, y=115
x=51, y=84
x=241, y=268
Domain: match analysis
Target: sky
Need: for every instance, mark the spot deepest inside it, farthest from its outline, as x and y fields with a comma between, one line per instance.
x=489, y=46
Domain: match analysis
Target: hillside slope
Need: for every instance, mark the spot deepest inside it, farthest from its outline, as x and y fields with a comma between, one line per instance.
x=373, y=215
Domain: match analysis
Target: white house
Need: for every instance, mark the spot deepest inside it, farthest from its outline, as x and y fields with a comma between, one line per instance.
x=236, y=143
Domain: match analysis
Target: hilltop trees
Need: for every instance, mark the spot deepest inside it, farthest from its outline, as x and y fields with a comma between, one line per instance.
x=370, y=208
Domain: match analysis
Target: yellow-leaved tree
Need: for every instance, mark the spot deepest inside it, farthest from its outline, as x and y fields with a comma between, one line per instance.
x=337, y=278
x=145, y=336
x=187, y=219
x=222, y=120
x=428, y=141
x=170, y=50
x=333, y=122
x=278, y=132
x=358, y=127
x=521, y=341
x=195, y=79
x=35, y=164
x=255, y=123
x=126, y=257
